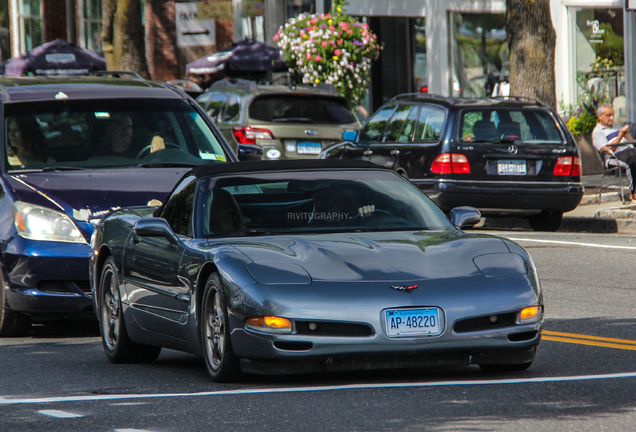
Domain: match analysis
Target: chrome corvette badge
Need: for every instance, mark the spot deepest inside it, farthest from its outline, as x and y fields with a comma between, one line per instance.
x=404, y=288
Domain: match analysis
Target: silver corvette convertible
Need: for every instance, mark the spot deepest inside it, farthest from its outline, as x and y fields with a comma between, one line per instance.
x=310, y=266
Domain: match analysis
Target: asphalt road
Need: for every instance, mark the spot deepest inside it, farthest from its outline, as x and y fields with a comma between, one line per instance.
x=583, y=379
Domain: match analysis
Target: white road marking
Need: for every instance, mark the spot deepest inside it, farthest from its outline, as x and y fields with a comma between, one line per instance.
x=60, y=414
x=10, y=401
x=132, y=430
x=573, y=243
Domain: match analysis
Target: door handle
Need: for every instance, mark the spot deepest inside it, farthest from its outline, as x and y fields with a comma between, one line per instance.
x=367, y=152
x=395, y=152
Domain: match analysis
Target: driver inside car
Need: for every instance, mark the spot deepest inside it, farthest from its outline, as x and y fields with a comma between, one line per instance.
x=120, y=137
x=333, y=208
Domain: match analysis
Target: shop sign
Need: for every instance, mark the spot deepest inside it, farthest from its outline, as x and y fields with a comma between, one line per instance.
x=214, y=9
x=597, y=32
x=252, y=8
x=191, y=29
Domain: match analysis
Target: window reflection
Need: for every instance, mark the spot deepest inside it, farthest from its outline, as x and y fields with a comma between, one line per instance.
x=480, y=55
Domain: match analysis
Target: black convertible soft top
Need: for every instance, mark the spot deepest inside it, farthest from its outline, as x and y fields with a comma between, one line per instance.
x=281, y=165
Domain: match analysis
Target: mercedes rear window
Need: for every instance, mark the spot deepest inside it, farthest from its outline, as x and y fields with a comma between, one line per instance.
x=308, y=109
x=527, y=125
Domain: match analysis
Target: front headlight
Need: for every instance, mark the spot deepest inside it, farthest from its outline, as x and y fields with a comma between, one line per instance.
x=40, y=223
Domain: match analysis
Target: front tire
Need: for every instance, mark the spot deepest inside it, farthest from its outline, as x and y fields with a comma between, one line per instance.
x=117, y=345
x=12, y=323
x=220, y=361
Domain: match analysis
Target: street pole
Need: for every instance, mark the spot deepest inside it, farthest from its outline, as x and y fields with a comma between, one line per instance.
x=630, y=60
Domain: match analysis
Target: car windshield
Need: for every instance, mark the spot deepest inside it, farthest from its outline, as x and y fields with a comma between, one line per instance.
x=308, y=109
x=313, y=202
x=505, y=124
x=107, y=133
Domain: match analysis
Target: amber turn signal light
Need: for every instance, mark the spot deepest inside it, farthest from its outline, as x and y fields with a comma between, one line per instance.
x=530, y=314
x=270, y=324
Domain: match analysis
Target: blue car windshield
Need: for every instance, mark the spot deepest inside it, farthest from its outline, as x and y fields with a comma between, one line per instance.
x=313, y=202
x=107, y=133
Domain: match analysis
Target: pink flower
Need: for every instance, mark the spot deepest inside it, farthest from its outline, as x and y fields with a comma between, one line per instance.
x=324, y=43
x=314, y=21
x=337, y=52
x=318, y=58
x=313, y=50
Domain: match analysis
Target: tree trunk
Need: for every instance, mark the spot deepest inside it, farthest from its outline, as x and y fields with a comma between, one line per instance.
x=108, y=16
x=123, y=36
x=532, y=41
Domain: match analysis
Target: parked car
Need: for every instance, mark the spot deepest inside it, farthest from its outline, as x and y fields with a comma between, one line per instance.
x=308, y=266
x=504, y=156
x=74, y=148
x=287, y=122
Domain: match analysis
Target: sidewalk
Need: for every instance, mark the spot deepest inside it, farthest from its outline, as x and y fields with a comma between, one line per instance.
x=610, y=216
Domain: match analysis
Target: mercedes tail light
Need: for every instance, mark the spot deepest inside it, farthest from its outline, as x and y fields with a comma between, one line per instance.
x=451, y=163
x=568, y=166
x=249, y=135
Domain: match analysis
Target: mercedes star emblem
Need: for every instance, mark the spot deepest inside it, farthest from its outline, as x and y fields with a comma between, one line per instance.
x=513, y=149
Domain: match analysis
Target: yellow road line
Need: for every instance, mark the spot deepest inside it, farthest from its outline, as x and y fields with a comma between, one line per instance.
x=580, y=336
x=589, y=340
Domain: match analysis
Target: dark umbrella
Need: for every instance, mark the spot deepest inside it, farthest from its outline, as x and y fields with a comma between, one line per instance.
x=55, y=58
x=244, y=56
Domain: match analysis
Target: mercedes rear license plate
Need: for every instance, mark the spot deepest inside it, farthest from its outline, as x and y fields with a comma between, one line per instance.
x=305, y=147
x=512, y=167
x=412, y=322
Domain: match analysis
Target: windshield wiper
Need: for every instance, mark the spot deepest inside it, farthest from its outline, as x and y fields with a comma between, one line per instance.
x=62, y=168
x=294, y=120
x=169, y=164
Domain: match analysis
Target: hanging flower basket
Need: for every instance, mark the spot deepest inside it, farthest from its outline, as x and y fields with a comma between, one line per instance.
x=331, y=48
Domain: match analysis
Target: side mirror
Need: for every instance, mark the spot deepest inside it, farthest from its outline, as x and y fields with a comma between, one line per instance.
x=154, y=227
x=250, y=152
x=465, y=217
x=349, y=135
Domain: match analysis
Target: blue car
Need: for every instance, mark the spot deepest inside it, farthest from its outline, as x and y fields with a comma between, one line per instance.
x=74, y=150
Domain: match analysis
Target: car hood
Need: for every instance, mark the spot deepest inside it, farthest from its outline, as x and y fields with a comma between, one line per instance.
x=388, y=256
x=87, y=192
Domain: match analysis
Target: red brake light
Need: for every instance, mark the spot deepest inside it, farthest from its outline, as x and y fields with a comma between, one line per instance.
x=249, y=135
x=568, y=166
x=451, y=163
x=424, y=89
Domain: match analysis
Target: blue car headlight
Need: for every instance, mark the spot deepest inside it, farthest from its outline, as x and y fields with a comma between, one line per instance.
x=40, y=223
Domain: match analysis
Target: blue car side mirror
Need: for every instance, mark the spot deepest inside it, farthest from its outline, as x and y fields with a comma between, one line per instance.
x=349, y=135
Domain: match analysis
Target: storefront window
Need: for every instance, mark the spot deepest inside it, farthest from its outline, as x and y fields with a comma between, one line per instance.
x=294, y=8
x=93, y=24
x=479, y=54
x=5, y=50
x=30, y=22
x=599, y=53
x=420, y=66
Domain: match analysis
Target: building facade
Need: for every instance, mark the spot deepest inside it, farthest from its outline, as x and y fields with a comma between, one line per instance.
x=451, y=47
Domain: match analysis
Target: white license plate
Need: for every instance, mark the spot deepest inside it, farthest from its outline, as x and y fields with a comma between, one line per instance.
x=305, y=147
x=512, y=167
x=412, y=322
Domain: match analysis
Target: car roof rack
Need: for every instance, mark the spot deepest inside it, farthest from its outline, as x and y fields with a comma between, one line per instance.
x=243, y=84
x=519, y=99
x=117, y=74
x=423, y=96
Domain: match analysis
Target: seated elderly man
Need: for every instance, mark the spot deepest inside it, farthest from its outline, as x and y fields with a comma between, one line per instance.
x=608, y=135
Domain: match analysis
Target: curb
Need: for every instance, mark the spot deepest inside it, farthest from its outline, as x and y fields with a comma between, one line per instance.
x=599, y=225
